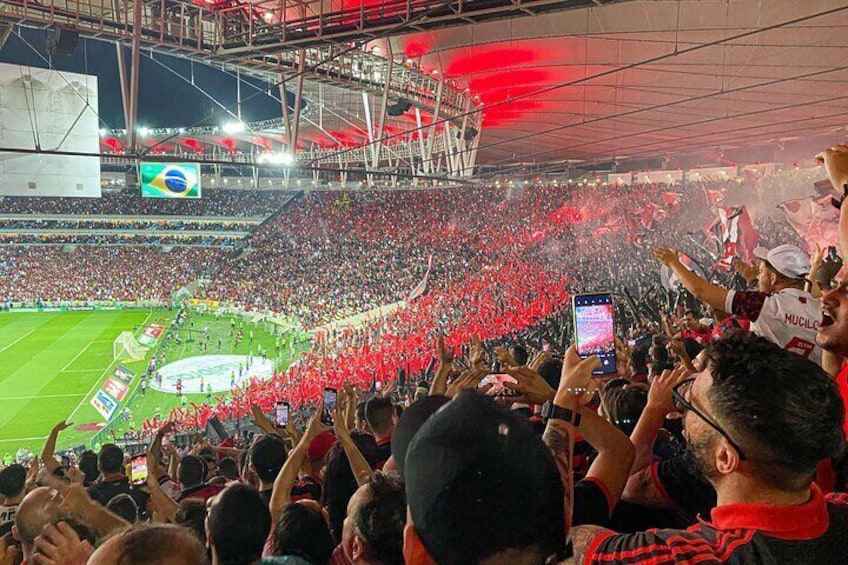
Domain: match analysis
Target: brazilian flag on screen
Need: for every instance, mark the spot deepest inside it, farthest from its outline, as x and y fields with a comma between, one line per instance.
x=170, y=180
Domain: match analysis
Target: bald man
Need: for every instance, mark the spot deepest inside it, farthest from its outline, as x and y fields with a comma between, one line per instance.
x=40, y=507
x=151, y=545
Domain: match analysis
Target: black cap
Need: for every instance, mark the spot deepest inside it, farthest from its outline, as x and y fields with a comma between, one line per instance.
x=478, y=481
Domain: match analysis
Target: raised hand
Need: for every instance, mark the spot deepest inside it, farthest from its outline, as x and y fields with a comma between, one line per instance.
x=539, y=359
x=340, y=427
x=504, y=357
x=62, y=426
x=60, y=545
x=576, y=378
x=530, y=385
x=446, y=355
x=8, y=553
x=261, y=421
x=835, y=160
x=659, y=395
x=476, y=353
x=667, y=256
x=315, y=426
x=469, y=379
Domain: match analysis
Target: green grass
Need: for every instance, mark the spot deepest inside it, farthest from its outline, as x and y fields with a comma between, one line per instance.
x=52, y=364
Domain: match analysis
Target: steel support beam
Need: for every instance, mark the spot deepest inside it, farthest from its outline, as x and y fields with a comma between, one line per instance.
x=384, y=104
x=298, y=98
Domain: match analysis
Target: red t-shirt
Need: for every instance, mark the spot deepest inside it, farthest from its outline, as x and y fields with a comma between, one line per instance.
x=842, y=384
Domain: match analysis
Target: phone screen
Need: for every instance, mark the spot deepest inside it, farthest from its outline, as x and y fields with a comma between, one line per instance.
x=594, y=329
x=282, y=413
x=138, y=466
x=330, y=396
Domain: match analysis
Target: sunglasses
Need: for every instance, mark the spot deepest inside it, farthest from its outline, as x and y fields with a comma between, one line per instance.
x=680, y=393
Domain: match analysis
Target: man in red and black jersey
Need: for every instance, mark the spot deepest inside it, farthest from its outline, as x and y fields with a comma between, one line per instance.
x=758, y=421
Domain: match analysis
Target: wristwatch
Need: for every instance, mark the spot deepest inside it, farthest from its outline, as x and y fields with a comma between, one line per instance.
x=551, y=411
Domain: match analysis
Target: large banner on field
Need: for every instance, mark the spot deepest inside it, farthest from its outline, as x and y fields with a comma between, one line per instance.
x=169, y=180
x=151, y=335
x=123, y=374
x=104, y=404
x=115, y=388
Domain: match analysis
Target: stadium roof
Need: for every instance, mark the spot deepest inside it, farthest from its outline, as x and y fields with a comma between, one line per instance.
x=649, y=78
x=555, y=81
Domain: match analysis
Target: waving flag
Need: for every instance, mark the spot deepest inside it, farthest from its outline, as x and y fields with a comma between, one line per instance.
x=421, y=287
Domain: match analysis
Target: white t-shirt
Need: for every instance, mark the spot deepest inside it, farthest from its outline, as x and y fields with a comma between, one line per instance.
x=789, y=318
x=7, y=513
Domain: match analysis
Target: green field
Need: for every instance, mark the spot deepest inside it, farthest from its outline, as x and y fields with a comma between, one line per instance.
x=52, y=364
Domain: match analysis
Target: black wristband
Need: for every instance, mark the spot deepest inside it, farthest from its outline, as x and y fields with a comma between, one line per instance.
x=552, y=412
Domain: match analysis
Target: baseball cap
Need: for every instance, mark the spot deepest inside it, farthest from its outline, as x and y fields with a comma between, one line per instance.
x=788, y=260
x=320, y=446
x=479, y=481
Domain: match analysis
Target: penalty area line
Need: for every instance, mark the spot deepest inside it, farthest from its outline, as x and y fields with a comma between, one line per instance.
x=96, y=384
x=16, y=341
x=36, y=396
x=71, y=362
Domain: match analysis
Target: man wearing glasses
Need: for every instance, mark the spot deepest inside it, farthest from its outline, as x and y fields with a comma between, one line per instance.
x=757, y=420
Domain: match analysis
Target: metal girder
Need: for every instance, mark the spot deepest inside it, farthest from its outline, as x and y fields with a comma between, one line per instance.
x=358, y=21
x=197, y=32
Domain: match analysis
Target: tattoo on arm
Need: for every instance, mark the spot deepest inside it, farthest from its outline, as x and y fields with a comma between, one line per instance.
x=560, y=441
x=581, y=537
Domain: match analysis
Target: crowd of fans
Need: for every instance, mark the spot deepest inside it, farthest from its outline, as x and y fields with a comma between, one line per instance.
x=129, y=202
x=48, y=274
x=97, y=239
x=135, y=224
x=466, y=429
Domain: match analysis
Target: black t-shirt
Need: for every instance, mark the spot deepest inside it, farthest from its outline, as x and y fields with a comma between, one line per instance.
x=106, y=490
x=303, y=489
x=591, y=504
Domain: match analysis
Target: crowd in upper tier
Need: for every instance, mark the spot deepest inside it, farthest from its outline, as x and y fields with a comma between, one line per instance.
x=717, y=435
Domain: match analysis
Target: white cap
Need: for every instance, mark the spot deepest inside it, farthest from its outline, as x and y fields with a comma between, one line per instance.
x=788, y=260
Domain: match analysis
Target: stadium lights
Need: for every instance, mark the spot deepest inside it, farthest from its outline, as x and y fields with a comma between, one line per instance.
x=143, y=131
x=233, y=127
x=282, y=159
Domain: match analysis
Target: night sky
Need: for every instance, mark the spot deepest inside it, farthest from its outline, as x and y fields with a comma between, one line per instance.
x=165, y=100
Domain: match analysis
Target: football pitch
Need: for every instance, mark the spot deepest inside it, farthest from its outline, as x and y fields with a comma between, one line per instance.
x=53, y=364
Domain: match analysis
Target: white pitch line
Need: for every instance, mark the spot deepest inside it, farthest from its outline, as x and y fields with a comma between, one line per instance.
x=20, y=439
x=16, y=341
x=71, y=362
x=103, y=374
x=2, y=398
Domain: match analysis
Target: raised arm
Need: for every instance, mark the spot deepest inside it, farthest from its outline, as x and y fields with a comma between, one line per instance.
x=701, y=289
x=164, y=507
x=560, y=432
x=281, y=494
x=640, y=486
x=50, y=446
x=440, y=382
x=835, y=160
x=360, y=467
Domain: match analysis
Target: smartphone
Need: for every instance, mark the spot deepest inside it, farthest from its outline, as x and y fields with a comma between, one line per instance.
x=330, y=396
x=66, y=462
x=282, y=414
x=138, y=469
x=594, y=329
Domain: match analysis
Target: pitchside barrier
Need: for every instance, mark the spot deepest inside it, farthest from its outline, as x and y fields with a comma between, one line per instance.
x=82, y=306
